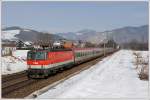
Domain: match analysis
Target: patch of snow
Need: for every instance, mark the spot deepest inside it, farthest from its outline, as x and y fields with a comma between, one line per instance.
x=56, y=43
x=21, y=54
x=79, y=33
x=143, y=53
x=10, y=34
x=26, y=30
x=28, y=42
x=15, y=63
x=113, y=77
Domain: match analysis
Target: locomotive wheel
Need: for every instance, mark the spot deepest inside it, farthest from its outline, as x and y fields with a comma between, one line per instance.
x=54, y=72
x=46, y=76
x=60, y=70
x=29, y=77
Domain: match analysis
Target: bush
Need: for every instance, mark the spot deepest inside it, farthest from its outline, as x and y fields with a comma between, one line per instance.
x=141, y=66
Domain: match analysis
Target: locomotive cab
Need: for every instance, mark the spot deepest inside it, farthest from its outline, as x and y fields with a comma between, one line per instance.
x=36, y=61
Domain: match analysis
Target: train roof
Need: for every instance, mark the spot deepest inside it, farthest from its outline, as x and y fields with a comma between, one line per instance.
x=46, y=50
x=61, y=49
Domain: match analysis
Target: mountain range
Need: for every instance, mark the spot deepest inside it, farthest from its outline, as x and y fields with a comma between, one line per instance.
x=119, y=35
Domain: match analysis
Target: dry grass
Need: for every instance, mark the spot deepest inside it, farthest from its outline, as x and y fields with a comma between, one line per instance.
x=141, y=65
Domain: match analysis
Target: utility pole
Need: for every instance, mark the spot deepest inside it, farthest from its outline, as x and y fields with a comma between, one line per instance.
x=105, y=40
x=113, y=40
x=104, y=48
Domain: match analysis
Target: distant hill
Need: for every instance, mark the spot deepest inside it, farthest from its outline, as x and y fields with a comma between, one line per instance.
x=79, y=35
x=128, y=34
x=17, y=33
x=120, y=35
x=12, y=28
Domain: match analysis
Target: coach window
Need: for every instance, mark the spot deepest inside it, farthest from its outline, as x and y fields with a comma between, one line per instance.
x=82, y=53
x=78, y=54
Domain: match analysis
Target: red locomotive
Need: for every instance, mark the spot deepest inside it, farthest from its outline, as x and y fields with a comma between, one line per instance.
x=42, y=63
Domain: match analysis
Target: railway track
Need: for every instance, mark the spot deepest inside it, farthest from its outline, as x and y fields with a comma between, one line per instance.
x=15, y=81
x=9, y=77
x=10, y=88
x=10, y=82
x=19, y=86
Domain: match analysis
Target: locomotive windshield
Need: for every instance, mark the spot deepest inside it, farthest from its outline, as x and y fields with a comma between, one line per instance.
x=36, y=55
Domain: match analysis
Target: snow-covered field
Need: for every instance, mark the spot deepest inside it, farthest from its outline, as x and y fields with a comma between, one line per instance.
x=143, y=54
x=113, y=77
x=15, y=63
x=10, y=34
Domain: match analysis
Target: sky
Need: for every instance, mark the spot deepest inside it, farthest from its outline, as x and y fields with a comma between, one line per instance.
x=72, y=16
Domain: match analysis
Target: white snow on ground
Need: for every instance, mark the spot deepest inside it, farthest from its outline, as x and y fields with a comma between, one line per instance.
x=10, y=34
x=21, y=54
x=26, y=30
x=15, y=63
x=143, y=54
x=113, y=77
x=141, y=63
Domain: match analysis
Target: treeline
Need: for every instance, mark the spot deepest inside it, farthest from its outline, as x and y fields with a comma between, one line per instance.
x=109, y=43
x=135, y=45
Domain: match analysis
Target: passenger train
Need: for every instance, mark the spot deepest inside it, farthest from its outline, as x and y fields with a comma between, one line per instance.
x=42, y=63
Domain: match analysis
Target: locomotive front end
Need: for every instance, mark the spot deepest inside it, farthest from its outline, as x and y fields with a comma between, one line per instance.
x=37, y=63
